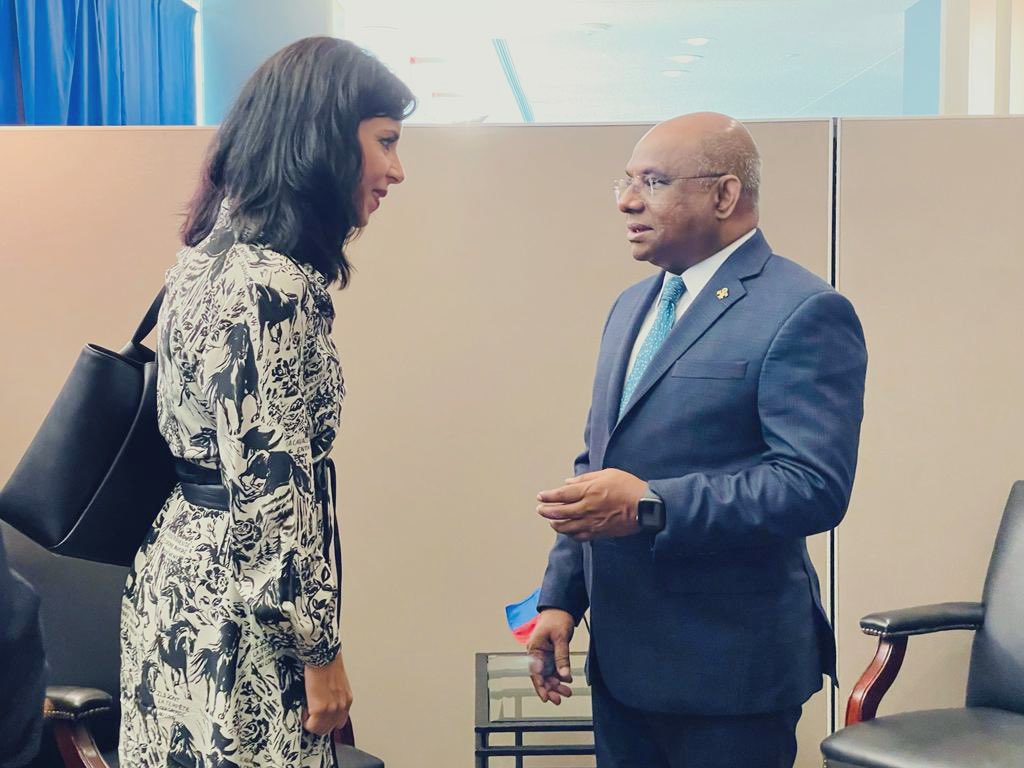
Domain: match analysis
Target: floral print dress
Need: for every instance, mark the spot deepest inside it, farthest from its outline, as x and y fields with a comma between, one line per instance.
x=223, y=608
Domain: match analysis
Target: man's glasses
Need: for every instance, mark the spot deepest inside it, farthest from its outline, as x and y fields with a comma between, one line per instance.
x=647, y=187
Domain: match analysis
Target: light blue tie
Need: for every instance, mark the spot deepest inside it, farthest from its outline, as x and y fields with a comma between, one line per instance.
x=666, y=317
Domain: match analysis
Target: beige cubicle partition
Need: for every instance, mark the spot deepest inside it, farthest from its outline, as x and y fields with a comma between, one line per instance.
x=88, y=224
x=468, y=337
x=930, y=253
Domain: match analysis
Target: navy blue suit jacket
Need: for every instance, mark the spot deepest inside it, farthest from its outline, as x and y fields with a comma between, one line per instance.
x=22, y=668
x=746, y=423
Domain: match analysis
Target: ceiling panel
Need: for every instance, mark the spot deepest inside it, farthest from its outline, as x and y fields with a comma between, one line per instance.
x=617, y=60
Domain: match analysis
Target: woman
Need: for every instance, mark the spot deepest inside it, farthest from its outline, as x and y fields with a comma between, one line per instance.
x=230, y=650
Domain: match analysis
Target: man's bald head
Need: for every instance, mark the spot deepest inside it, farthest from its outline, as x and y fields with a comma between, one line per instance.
x=716, y=143
x=694, y=191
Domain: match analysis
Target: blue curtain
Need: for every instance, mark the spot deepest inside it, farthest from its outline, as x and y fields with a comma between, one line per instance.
x=104, y=62
x=177, y=63
x=95, y=96
x=10, y=76
x=45, y=33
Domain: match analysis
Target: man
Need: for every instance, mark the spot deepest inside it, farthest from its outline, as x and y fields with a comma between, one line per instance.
x=726, y=411
x=22, y=668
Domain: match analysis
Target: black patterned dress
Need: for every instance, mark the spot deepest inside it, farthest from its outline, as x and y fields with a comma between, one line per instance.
x=223, y=608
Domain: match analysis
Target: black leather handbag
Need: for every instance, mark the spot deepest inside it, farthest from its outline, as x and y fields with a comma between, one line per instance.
x=98, y=470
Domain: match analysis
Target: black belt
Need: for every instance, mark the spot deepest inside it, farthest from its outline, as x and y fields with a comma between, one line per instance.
x=203, y=486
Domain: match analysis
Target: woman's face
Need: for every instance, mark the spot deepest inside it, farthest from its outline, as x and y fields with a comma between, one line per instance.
x=378, y=137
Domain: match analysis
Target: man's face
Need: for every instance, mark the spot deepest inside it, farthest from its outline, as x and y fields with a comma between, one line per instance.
x=672, y=224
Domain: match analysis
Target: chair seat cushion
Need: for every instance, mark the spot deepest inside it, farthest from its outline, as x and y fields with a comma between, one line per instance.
x=350, y=757
x=977, y=737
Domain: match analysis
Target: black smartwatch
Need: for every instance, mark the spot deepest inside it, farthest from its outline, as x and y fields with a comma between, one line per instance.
x=650, y=512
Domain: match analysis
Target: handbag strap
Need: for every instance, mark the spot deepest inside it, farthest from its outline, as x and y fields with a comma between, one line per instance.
x=149, y=321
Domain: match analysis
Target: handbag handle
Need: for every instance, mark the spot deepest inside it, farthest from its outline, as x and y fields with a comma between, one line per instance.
x=149, y=321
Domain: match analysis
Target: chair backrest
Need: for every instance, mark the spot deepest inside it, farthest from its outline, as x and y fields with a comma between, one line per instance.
x=81, y=606
x=996, y=676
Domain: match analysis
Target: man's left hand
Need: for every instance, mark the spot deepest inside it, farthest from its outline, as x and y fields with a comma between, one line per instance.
x=594, y=505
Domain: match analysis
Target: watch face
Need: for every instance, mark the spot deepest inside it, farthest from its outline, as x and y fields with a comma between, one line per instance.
x=650, y=514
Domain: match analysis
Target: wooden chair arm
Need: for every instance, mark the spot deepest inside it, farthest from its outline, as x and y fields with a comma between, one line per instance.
x=876, y=680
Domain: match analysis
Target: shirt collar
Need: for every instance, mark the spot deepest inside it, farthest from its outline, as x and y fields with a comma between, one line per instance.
x=700, y=274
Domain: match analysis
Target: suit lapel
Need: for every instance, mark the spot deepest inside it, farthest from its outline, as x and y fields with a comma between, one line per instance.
x=723, y=291
x=632, y=319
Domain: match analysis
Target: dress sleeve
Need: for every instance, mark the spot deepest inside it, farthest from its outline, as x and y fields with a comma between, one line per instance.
x=276, y=540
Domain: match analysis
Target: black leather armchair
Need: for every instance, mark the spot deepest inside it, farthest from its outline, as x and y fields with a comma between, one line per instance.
x=80, y=616
x=988, y=732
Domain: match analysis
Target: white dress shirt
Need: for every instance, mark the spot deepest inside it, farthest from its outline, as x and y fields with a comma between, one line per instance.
x=695, y=278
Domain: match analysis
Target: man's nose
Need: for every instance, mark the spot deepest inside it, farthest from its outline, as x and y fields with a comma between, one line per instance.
x=630, y=201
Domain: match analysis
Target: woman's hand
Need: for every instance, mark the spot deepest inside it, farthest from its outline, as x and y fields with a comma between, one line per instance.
x=328, y=697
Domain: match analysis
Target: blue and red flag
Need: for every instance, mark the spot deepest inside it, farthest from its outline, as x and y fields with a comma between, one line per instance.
x=522, y=617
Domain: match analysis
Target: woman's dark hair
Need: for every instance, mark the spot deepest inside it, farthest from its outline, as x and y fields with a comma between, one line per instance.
x=288, y=153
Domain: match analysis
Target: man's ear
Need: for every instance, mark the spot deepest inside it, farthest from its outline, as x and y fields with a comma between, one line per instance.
x=727, y=196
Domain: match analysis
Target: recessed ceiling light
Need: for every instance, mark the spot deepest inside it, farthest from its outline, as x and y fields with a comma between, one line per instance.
x=674, y=72
x=685, y=58
x=698, y=40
